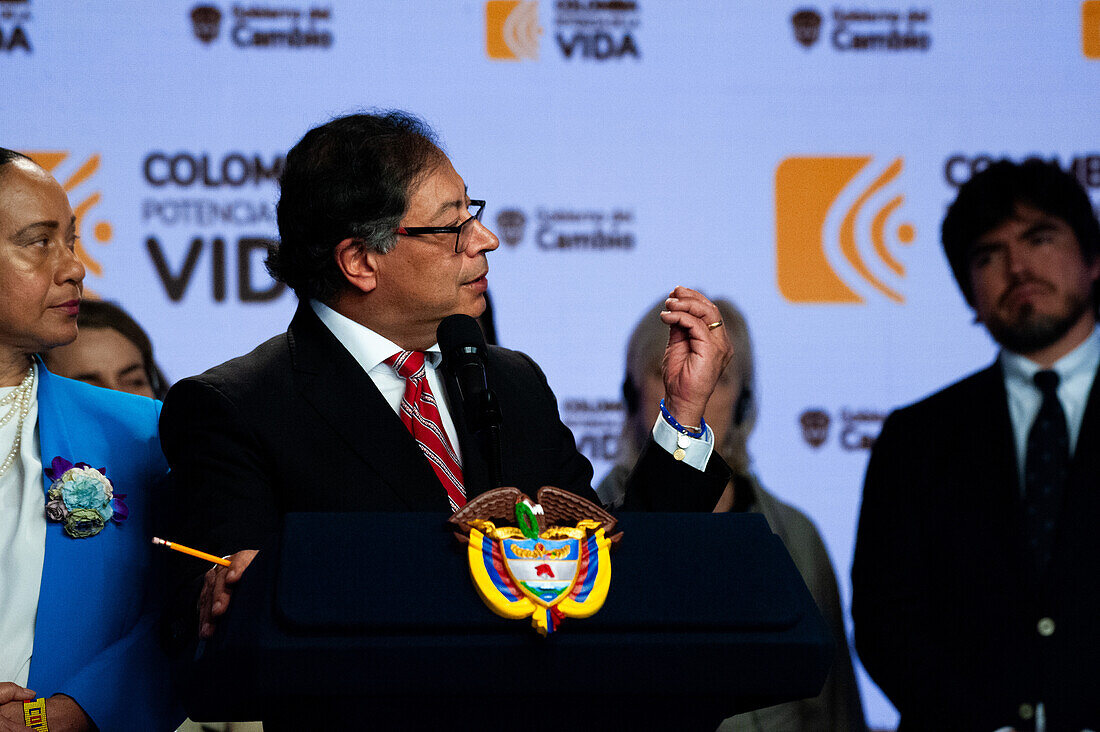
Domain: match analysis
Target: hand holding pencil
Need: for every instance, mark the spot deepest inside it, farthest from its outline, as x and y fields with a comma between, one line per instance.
x=217, y=586
x=217, y=589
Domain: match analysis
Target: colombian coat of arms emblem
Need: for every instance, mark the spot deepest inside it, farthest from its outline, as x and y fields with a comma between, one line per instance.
x=552, y=564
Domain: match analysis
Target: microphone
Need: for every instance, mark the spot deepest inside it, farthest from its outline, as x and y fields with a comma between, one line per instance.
x=464, y=358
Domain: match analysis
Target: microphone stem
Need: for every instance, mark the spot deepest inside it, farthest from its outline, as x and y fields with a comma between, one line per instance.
x=496, y=468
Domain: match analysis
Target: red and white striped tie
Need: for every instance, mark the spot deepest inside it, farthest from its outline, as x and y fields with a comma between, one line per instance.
x=421, y=416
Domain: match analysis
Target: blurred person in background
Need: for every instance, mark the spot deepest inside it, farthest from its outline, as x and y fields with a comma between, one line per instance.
x=111, y=350
x=79, y=471
x=731, y=414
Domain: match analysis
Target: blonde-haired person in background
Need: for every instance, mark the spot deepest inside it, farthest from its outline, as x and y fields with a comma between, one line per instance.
x=731, y=414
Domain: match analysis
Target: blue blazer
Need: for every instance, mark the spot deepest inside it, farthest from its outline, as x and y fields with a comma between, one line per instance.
x=95, y=634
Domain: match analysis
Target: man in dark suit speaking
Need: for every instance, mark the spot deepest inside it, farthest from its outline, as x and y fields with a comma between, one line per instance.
x=975, y=592
x=349, y=410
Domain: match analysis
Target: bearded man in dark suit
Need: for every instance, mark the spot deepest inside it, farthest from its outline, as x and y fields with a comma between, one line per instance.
x=975, y=598
x=381, y=242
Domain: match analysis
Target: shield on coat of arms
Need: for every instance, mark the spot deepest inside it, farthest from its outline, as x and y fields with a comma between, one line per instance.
x=544, y=569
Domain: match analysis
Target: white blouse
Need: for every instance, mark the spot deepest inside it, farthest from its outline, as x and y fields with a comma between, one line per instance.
x=22, y=542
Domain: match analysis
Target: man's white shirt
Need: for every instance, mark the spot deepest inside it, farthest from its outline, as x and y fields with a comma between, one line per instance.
x=370, y=350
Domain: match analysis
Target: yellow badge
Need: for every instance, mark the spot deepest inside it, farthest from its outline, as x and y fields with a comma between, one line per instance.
x=34, y=715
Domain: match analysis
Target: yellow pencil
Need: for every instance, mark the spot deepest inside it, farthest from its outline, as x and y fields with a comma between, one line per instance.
x=192, y=552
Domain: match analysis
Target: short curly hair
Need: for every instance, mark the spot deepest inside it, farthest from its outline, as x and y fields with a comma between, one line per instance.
x=990, y=198
x=349, y=178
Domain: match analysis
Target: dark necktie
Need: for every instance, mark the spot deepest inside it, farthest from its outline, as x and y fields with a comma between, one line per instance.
x=1045, y=471
x=421, y=418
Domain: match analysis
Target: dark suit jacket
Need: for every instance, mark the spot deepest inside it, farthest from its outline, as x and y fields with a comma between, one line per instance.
x=946, y=609
x=296, y=425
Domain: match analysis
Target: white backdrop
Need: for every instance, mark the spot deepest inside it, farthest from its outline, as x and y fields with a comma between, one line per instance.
x=625, y=146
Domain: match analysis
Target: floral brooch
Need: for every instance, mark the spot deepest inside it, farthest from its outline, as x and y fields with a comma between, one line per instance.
x=82, y=498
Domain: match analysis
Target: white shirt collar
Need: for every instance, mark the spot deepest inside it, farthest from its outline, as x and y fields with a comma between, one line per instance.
x=1080, y=363
x=370, y=349
x=1076, y=371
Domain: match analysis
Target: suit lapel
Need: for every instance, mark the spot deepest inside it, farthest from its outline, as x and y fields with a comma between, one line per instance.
x=344, y=397
x=1081, y=498
x=987, y=453
x=53, y=606
x=1084, y=458
x=54, y=440
x=997, y=441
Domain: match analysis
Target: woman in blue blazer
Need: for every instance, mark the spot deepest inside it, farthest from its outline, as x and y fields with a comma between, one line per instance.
x=77, y=501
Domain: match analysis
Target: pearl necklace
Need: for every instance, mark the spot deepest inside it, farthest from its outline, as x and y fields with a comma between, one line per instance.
x=18, y=401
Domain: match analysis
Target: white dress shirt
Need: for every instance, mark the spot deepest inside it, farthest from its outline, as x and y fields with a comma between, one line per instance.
x=1076, y=371
x=22, y=543
x=370, y=350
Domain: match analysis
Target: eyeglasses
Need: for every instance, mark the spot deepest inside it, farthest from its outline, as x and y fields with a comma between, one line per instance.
x=463, y=233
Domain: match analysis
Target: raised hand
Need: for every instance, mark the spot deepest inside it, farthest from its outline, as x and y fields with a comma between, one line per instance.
x=697, y=353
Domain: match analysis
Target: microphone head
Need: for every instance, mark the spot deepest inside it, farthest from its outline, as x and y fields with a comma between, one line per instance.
x=460, y=333
x=465, y=358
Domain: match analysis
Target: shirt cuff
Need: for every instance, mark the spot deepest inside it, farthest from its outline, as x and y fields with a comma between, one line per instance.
x=694, y=451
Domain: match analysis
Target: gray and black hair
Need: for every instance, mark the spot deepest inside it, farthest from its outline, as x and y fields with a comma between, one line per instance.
x=349, y=178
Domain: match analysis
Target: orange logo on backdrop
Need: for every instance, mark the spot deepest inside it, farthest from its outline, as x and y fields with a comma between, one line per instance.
x=806, y=189
x=52, y=161
x=512, y=29
x=1090, y=28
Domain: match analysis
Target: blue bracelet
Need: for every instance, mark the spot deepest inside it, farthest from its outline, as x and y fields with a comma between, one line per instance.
x=679, y=427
